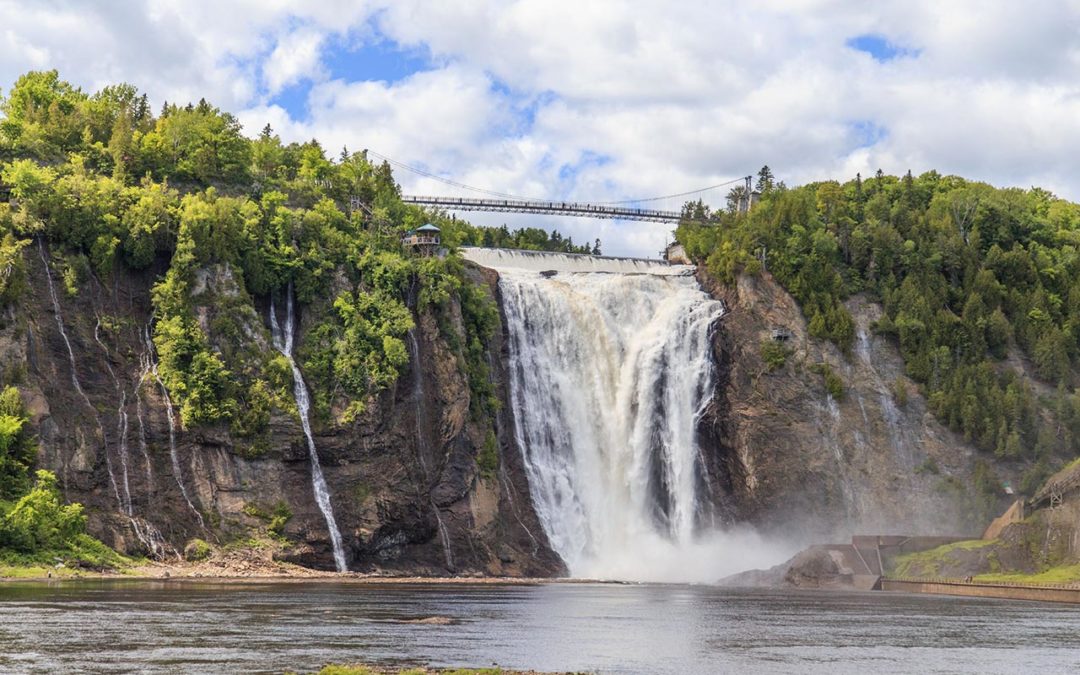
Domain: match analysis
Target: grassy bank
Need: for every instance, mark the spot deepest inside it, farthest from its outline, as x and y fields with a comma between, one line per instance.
x=1063, y=574
x=931, y=563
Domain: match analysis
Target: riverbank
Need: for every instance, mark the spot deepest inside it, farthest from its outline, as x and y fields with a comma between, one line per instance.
x=1004, y=590
x=358, y=669
x=243, y=566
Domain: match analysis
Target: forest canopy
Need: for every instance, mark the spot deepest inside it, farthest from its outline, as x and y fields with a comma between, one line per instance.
x=109, y=185
x=980, y=288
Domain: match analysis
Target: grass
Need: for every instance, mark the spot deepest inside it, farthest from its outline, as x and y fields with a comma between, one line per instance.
x=1062, y=574
x=83, y=550
x=1071, y=465
x=34, y=571
x=928, y=563
x=84, y=555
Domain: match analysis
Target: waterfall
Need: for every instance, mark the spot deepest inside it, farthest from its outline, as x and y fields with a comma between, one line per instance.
x=121, y=421
x=284, y=344
x=145, y=363
x=58, y=315
x=421, y=446
x=537, y=261
x=171, y=416
x=832, y=437
x=610, y=370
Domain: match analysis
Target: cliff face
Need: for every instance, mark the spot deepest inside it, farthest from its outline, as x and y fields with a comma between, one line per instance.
x=808, y=465
x=406, y=488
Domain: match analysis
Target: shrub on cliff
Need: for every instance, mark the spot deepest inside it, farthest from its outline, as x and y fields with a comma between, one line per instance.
x=774, y=354
x=40, y=521
x=16, y=448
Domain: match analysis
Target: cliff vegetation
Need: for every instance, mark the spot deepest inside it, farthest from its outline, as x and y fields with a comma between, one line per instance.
x=980, y=290
x=104, y=191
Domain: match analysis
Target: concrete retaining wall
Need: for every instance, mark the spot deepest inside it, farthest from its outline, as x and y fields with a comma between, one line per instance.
x=1007, y=590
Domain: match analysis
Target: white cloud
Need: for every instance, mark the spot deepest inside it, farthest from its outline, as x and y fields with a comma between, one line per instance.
x=295, y=57
x=669, y=95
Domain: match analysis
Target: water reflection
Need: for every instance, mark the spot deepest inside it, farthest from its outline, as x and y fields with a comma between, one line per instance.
x=179, y=626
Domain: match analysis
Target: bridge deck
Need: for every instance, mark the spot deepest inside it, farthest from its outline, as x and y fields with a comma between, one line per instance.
x=552, y=208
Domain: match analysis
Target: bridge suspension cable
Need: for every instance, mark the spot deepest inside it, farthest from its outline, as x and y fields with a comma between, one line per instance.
x=680, y=194
x=505, y=195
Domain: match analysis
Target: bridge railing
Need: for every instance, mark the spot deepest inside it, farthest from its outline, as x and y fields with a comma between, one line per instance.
x=551, y=207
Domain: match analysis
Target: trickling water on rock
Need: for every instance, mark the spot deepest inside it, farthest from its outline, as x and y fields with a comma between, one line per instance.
x=284, y=344
x=611, y=367
x=170, y=415
x=422, y=446
x=58, y=315
x=121, y=422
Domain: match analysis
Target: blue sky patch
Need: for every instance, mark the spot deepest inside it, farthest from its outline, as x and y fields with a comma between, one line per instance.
x=384, y=60
x=569, y=172
x=880, y=48
x=867, y=133
x=294, y=99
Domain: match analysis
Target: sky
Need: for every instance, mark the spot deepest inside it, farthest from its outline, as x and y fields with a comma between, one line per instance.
x=603, y=100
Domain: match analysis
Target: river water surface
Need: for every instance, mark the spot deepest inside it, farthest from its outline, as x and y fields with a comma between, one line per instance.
x=195, y=627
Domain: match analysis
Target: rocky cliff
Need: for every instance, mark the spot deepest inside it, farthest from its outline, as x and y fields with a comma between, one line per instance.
x=790, y=451
x=405, y=482
x=813, y=465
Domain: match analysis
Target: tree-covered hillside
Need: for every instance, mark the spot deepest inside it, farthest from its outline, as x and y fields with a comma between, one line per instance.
x=980, y=287
x=99, y=185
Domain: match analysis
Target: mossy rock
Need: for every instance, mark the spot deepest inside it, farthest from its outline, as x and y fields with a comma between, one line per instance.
x=197, y=550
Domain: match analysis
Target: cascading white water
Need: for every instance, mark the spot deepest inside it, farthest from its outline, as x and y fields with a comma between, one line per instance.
x=611, y=367
x=284, y=344
x=145, y=362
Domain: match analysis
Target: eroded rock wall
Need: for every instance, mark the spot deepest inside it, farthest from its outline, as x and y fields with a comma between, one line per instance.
x=812, y=467
x=406, y=487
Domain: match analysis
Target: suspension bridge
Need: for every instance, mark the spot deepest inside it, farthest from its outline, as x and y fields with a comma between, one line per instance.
x=500, y=202
x=553, y=208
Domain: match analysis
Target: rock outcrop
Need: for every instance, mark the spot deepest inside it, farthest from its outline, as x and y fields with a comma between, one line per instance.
x=804, y=464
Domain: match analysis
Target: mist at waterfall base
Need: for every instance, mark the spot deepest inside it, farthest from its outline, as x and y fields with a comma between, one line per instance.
x=611, y=366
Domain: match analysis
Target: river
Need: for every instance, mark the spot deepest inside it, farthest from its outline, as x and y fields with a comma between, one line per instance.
x=210, y=627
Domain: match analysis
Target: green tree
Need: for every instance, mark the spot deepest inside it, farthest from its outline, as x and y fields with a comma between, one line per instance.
x=40, y=521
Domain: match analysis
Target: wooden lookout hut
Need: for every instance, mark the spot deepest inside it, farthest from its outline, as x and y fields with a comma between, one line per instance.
x=423, y=240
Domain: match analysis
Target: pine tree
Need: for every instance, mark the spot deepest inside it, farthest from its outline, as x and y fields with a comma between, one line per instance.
x=765, y=180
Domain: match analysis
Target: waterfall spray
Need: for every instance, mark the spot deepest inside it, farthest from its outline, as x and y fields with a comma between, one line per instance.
x=283, y=342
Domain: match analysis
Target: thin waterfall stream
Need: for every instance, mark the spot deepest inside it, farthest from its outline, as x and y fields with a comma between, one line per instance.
x=58, y=315
x=283, y=342
x=611, y=368
x=170, y=414
x=121, y=420
x=422, y=446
